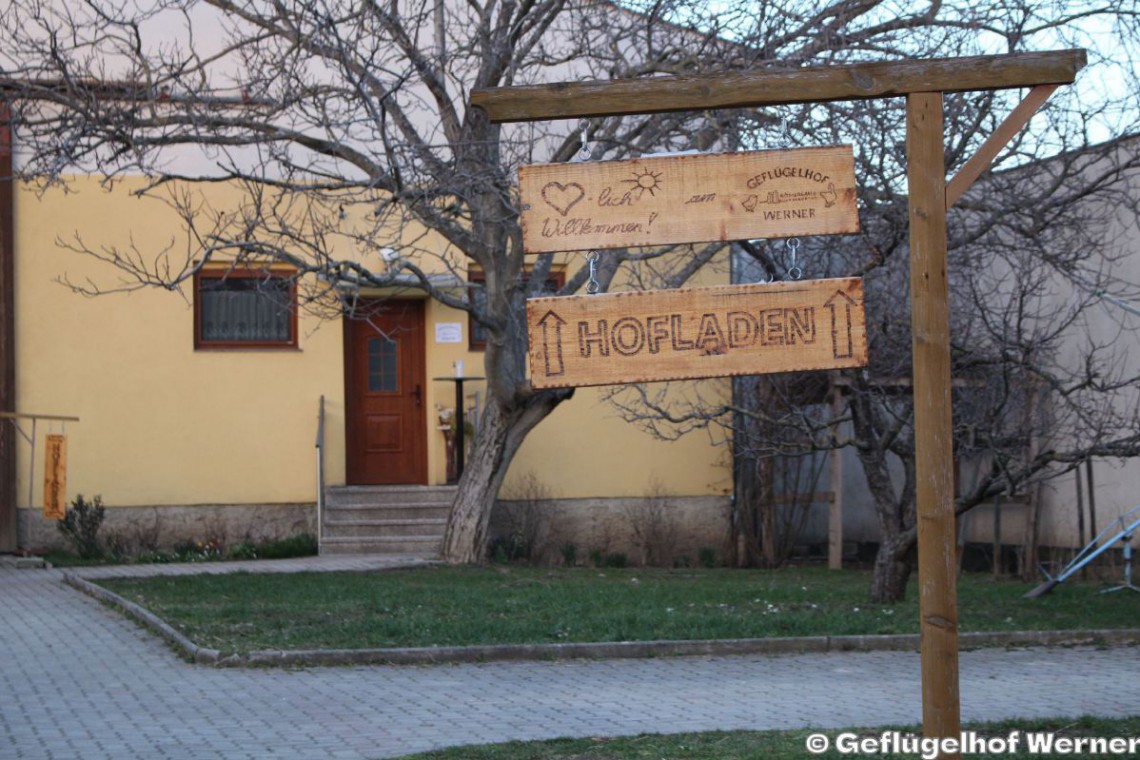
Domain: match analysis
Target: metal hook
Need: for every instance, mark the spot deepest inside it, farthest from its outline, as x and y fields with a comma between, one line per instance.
x=584, y=152
x=592, y=284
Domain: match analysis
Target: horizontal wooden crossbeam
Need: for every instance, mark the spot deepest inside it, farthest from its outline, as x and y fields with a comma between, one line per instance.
x=22, y=416
x=746, y=89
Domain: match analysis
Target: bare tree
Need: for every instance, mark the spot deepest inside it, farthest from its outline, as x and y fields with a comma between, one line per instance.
x=345, y=125
x=1035, y=255
x=1035, y=258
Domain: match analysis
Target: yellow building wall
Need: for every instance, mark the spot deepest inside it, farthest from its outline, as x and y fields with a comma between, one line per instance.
x=162, y=423
x=585, y=450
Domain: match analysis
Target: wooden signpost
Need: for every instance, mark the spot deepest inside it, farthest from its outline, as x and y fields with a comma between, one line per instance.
x=646, y=336
x=55, y=478
x=923, y=84
x=688, y=199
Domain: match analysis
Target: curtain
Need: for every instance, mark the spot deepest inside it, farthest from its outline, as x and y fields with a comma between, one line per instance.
x=245, y=310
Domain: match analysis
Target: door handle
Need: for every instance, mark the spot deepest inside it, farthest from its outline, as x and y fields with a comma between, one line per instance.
x=418, y=393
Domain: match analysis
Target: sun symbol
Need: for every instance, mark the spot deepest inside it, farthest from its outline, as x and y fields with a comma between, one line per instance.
x=645, y=181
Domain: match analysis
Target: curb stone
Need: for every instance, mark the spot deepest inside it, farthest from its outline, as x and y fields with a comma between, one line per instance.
x=604, y=650
x=147, y=619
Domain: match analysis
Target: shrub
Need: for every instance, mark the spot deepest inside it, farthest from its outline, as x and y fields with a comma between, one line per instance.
x=707, y=556
x=81, y=524
x=197, y=551
x=155, y=557
x=507, y=549
x=616, y=559
x=569, y=554
x=654, y=527
x=523, y=522
x=301, y=545
x=244, y=550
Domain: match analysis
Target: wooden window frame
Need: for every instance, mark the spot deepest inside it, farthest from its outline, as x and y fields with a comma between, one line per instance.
x=245, y=273
x=477, y=276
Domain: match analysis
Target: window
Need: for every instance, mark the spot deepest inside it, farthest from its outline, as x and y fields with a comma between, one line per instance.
x=383, y=365
x=245, y=308
x=476, y=333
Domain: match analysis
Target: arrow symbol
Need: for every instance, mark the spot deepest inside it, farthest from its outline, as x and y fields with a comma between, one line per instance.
x=842, y=341
x=552, y=323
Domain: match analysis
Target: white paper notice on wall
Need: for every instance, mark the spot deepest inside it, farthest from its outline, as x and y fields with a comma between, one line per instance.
x=448, y=332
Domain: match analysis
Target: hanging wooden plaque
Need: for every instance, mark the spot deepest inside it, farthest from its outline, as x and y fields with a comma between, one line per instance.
x=55, y=478
x=646, y=336
x=688, y=199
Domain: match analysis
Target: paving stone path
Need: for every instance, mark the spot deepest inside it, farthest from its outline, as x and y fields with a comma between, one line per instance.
x=79, y=681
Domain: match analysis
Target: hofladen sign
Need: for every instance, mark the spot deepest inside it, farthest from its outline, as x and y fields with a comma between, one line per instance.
x=720, y=331
x=688, y=199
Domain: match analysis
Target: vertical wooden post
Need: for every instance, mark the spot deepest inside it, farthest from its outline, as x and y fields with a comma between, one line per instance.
x=1029, y=556
x=835, y=509
x=1092, y=500
x=930, y=327
x=1080, y=509
x=997, y=537
x=8, y=514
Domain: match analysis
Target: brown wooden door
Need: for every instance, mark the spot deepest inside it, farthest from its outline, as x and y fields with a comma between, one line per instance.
x=385, y=425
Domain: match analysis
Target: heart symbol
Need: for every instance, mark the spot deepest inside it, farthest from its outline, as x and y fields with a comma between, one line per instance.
x=561, y=197
x=749, y=203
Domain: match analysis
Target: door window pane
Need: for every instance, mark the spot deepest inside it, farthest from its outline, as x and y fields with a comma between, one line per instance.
x=383, y=365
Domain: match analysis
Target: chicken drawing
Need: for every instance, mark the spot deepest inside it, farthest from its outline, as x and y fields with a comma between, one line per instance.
x=830, y=195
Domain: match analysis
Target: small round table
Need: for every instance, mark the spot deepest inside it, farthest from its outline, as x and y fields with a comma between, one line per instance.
x=460, y=421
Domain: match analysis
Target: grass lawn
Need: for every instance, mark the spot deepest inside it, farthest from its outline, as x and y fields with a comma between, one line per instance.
x=442, y=606
x=770, y=745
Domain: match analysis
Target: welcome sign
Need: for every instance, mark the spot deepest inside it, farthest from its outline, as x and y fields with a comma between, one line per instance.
x=688, y=199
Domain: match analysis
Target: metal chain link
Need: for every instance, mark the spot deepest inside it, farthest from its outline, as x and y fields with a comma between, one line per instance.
x=584, y=152
x=592, y=285
x=794, y=271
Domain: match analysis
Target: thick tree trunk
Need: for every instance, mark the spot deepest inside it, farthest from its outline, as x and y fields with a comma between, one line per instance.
x=769, y=526
x=894, y=505
x=892, y=570
x=502, y=429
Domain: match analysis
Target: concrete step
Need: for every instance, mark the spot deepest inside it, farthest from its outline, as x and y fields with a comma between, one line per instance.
x=389, y=495
x=387, y=512
x=23, y=563
x=422, y=546
x=386, y=519
x=383, y=527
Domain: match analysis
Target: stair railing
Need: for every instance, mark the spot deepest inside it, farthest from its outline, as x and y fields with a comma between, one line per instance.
x=320, y=446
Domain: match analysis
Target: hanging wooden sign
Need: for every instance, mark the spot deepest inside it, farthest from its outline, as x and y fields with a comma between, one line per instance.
x=55, y=478
x=719, y=331
x=688, y=199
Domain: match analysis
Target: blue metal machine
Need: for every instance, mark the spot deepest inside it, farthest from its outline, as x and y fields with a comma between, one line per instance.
x=1120, y=529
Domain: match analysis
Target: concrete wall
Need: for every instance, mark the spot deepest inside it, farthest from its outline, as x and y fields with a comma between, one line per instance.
x=659, y=530
x=133, y=530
